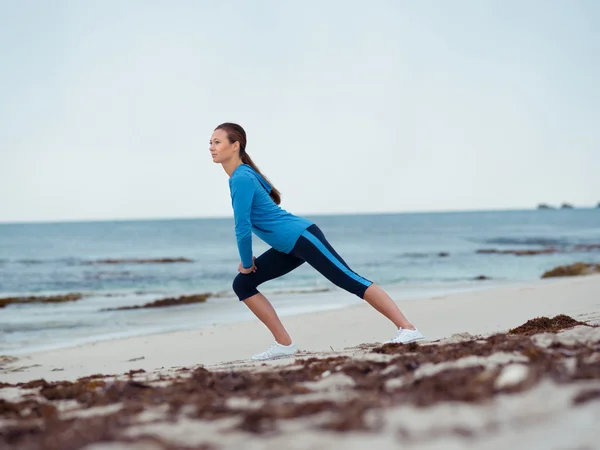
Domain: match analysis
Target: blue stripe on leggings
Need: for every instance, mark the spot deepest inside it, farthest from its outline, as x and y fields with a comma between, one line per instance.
x=317, y=243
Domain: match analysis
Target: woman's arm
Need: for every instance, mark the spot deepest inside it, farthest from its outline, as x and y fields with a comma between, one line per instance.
x=242, y=192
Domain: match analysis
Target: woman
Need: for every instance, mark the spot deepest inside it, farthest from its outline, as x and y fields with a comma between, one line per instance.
x=294, y=240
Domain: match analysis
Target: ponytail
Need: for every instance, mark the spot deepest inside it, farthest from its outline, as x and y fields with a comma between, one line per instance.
x=275, y=194
x=236, y=133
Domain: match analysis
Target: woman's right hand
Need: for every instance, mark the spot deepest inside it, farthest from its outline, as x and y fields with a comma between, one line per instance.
x=245, y=271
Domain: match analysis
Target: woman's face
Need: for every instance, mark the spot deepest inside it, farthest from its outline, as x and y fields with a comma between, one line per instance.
x=220, y=148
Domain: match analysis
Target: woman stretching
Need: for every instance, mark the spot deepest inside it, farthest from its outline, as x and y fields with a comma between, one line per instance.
x=293, y=239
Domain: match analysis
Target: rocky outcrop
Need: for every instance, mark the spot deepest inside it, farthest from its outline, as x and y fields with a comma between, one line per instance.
x=171, y=301
x=572, y=270
x=40, y=299
x=563, y=206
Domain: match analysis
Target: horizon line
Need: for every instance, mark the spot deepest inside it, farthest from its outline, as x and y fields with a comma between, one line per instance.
x=310, y=214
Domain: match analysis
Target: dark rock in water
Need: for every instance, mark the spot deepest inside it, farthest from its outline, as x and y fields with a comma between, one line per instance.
x=566, y=206
x=443, y=254
x=546, y=325
x=415, y=255
x=139, y=261
x=544, y=206
x=576, y=269
x=40, y=299
x=171, y=301
x=488, y=251
x=481, y=278
x=598, y=205
x=542, y=251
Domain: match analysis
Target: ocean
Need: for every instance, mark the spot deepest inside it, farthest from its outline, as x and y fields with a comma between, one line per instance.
x=418, y=254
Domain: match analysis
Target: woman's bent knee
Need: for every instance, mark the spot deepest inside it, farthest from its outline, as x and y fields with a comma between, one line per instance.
x=243, y=286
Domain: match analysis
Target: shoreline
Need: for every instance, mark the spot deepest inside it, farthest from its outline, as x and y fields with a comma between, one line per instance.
x=287, y=303
x=480, y=311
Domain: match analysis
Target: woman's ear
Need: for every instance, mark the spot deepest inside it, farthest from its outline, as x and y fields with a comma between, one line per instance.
x=236, y=146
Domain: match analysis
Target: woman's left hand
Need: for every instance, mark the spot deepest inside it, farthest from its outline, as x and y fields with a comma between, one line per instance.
x=245, y=271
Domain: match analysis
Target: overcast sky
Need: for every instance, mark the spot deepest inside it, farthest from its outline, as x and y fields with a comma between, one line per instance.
x=106, y=107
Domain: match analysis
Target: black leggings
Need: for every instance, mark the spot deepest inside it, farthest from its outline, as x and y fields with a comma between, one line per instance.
x=311, y=247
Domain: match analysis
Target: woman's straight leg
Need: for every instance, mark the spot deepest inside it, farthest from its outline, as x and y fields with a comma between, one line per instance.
x=314, y=248
x=270, y=265
x=381, y=301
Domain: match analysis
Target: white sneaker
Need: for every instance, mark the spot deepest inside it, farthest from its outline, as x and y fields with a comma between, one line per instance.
x=406, y=336
x=276, y=351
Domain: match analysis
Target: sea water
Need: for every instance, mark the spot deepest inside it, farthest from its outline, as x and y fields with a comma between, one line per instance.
x=417, y=254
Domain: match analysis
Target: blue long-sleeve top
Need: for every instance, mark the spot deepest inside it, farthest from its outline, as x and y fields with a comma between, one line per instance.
x=255, y=211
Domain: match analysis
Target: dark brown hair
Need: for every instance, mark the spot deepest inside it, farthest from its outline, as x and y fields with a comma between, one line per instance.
x=236, y=133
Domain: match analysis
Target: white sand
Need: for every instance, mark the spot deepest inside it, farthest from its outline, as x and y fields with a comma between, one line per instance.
x=542, y=417
x=480, y=312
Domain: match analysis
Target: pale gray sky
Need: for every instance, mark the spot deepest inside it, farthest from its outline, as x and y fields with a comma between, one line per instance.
x=106, y=106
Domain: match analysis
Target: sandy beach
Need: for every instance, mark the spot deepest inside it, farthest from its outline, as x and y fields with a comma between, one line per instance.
x=162, y=160
x=470, y=384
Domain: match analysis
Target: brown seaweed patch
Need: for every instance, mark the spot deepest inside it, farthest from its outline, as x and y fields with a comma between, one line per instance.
x=206, y=395
x=34, y=384
x=27, y=409
x=5, y=360
x=82, y=391
x=171, y=301
x=408, y=361
x=96, y=376
x=366, y=374
x=546, y=325
x=573, y=270
x=586, y=396
x=470, y=384
x=587, y=370
x=22, y=435
x=530, y=252
x=40, y=299
x=391, y=348
x=140, y=261
x=586, y=247
x=263, y=420
x=351, y=416
x=254, y=386
x=74, y=434
x=258, y=422
x=311, y=369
